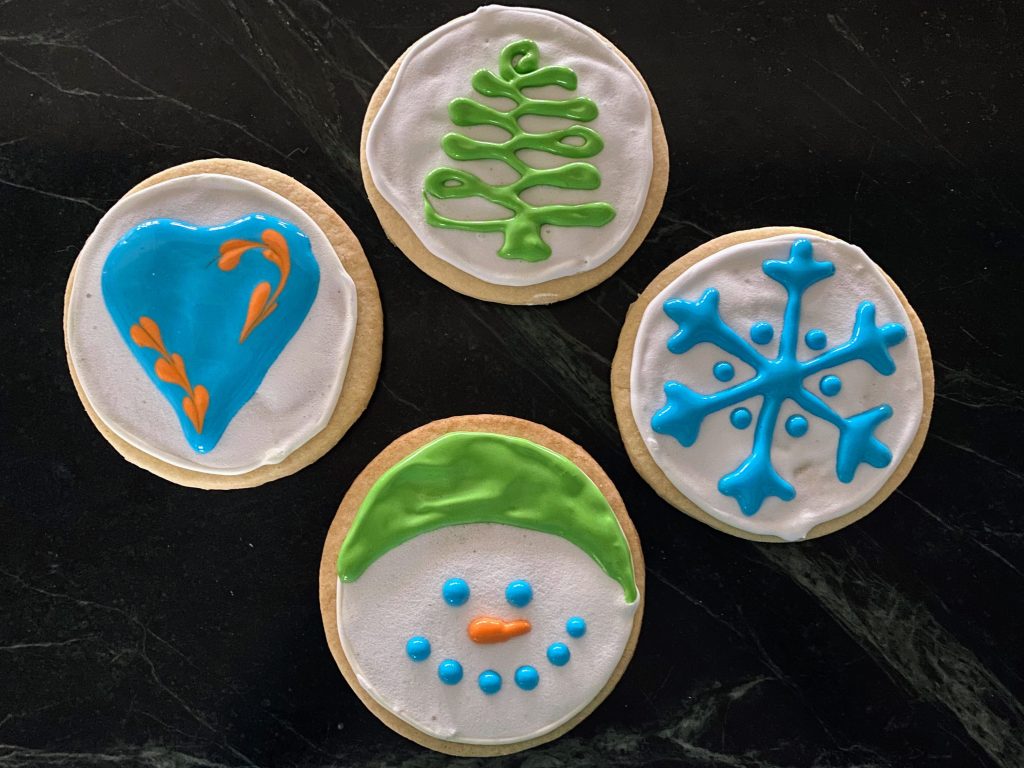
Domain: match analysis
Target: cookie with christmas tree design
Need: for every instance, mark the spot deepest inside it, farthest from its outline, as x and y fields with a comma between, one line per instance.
x=223, y=327
x=482, y=585
x=774, y=384
x=515, y=155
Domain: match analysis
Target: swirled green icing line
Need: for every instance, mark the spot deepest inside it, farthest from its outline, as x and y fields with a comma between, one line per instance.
x=519, y=68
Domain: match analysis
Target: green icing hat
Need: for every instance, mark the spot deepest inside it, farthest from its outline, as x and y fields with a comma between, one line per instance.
x=479, y=477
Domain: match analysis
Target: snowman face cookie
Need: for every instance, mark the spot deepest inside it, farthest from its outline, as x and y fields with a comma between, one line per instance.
x=781, y=385
x=486, y=594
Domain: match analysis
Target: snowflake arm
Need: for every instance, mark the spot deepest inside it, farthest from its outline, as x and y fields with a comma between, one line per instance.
x=798, y=273
x=685, y=410
x=756, y=479
x=868, y=342
x=857, y=443
x=699, y=321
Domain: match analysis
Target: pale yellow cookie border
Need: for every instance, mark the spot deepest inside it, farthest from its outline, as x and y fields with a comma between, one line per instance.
x=399, y=449
x=641, y=456
x=551, y=291
x=364, y=361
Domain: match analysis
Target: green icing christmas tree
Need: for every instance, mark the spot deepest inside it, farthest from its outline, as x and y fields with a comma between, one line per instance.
x=519, y=69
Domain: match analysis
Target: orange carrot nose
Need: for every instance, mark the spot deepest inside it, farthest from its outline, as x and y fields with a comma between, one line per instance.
x=487, y=629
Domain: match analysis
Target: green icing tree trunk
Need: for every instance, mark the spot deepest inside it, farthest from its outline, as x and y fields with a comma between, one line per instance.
x=519, y=69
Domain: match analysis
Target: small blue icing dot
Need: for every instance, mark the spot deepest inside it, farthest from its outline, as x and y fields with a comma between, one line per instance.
x=761, y=332
x=830, y=385
x=519, y=593
x=450, y=671
x=418, y=648
x=576, y=627
x=796, y=425
x=740, y=418
x=490, y=681
x=724, y=371
x=455, y=591
x=816, y=338
x=558, y=654
x=526, y=678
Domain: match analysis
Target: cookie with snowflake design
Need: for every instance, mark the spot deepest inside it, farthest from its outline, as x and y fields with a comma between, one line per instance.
x=773, y=383
x=482, y=585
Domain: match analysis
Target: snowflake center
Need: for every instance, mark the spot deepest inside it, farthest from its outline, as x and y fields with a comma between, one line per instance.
x=783, y=377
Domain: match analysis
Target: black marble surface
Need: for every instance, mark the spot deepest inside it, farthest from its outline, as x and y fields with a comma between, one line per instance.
x=146, y=624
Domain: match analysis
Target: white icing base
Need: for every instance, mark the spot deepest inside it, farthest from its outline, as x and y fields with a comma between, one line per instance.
x=748, y=295
x=300, y=391
x=399, y=596
x=404, y=141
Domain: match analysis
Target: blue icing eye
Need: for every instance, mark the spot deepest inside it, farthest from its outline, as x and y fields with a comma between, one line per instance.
x=490, y=681
x=761, y=332
x=450, y=671
x=740, y=418
x=527, y=678
x=796, y=425
x=830, y=385
x=519, y=593
x=558, y=654
x=418, y=648
x=816, y=338
x=724, y=371
x=455, y=592
x=576, y=627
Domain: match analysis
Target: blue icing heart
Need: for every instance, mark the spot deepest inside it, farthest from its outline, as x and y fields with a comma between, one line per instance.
x=207, y=310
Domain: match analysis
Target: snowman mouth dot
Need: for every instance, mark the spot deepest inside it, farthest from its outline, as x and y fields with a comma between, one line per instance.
x=559, y=654
x=418, y=648
x=449, y=671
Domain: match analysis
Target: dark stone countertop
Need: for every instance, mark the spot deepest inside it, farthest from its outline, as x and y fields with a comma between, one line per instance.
x=147, y=624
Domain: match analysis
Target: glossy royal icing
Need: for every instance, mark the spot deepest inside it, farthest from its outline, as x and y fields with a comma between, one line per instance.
x=807, y=460
x=520, y=70
x=525, y=618
x=189, y=307
x=298, y=393
x=588, y=206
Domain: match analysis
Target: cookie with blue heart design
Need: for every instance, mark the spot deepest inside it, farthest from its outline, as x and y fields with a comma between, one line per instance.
x=222, y=324
x=482, y=585
x=773, y=383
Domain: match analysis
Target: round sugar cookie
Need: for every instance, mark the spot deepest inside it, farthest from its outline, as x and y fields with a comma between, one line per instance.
x=482, y=585
x=773, y=383
x=222, y=325
x=515, y=155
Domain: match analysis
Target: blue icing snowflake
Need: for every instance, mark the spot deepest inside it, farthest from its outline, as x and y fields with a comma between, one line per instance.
x=777, y=380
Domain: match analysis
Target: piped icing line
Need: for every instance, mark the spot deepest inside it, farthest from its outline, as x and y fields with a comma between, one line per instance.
x=262, y=302
x=777, y=380
x=781, y=484
x=478, y=477
x=522, y=230
x=299, y=390
x=170, y=367
x=538, y=212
